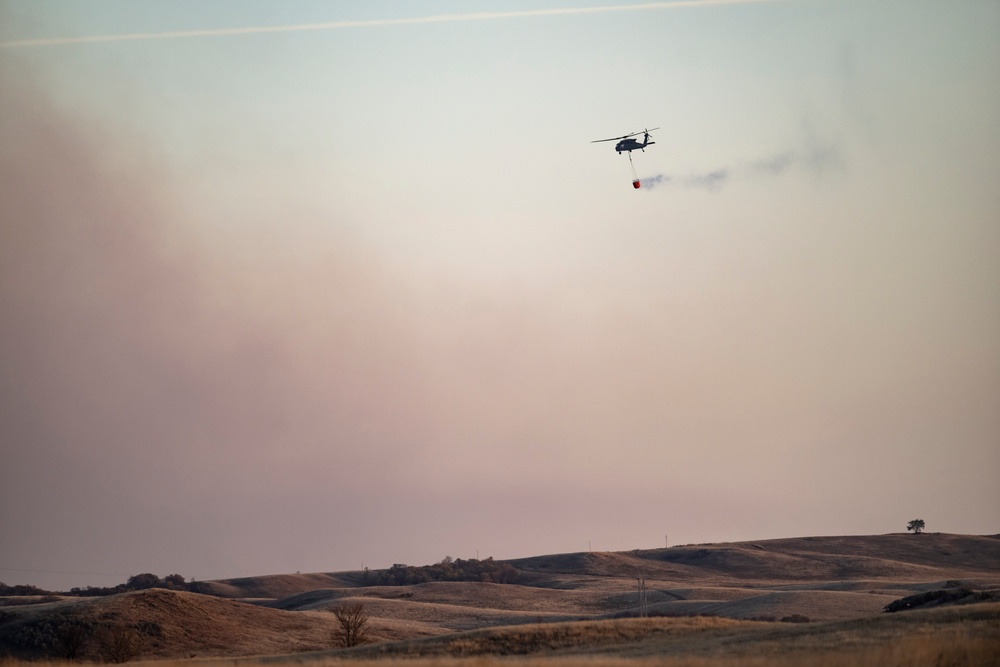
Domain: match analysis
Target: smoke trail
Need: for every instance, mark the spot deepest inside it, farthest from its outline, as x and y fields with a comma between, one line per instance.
x=336, y=25
x=816, y=159
x=653, y=181
x=713, y=180
x=774, y=165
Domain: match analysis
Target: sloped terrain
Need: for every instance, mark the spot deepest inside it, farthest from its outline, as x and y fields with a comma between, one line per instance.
x=509, y=597
x=168, y=624
x=272, y=586
x=700, y=636
x=838, y=558
x=745, y=588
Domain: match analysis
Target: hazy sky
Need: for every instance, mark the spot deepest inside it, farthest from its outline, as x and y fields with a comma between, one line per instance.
x=300, y=300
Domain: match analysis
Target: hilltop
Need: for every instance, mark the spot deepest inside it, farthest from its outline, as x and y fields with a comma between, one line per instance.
x=170, y=623
x=744, y=586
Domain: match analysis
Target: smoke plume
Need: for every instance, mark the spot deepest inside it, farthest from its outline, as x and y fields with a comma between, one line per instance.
x=818, y=159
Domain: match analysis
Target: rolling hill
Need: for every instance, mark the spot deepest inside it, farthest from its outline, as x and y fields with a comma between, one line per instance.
x=744, y=588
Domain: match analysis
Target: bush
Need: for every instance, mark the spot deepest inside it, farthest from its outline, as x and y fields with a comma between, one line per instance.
x=488, y=571
x=960, y=594
x=119, y=643
x=137, y=582
x=795, y=618
x=36, y=636
x=59, y=635
x=22, y=589
x=72, y=639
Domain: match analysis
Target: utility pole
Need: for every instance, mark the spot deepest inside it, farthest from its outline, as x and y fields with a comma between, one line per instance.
x=641, y=584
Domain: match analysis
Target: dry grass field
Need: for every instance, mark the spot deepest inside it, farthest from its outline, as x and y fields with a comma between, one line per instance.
x=713, y=604
x=944, y=636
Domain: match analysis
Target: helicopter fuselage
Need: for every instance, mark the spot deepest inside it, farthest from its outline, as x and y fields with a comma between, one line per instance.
x=632, y=144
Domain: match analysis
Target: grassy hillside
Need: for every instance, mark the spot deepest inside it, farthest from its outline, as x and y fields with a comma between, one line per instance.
x=168, y=624
x=703, y=637
x=929, y=555
x=274, y=586
x=701, y=596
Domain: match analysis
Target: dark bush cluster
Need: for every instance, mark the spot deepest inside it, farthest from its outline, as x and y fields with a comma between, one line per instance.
x=136, y=582
x=95, y=591
x=22, y=590
x=473, y=569
x=120, y=643
x=960, y=594
x=59, y=635
x=72, y=638
x=38, y=636
x=795, y=618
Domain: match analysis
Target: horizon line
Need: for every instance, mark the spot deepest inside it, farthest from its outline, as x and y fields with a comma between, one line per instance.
x=370, y=23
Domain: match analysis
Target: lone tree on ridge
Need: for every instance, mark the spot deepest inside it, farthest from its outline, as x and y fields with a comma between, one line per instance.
x=917, y=526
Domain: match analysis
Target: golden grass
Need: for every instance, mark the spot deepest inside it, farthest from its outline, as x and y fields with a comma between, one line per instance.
x=520, y=640
x=567, y=610
x=922, y=651
x=699, y=637
x=947, y=637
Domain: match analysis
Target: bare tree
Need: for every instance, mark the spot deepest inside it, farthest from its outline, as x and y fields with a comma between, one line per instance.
x=917, y=526
x=71, y=640
x=353, y=620
x=119, y=643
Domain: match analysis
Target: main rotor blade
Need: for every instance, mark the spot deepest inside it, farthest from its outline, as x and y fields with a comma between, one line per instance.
x=616, y=138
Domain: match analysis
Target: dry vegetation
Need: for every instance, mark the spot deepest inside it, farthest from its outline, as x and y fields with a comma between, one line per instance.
x=717, y=640
x=921, y=651
x=719, y=604
x=168, y=624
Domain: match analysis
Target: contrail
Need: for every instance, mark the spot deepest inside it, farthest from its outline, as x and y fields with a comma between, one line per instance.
x=337, y=25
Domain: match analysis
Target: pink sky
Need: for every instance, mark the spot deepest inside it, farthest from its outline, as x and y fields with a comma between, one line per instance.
x=223, y=372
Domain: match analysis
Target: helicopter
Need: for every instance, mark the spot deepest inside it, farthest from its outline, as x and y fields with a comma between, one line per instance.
x=628, y=144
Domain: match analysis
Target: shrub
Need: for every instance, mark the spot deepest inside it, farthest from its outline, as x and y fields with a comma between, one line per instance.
x=119, y=643
x=795, y=618
x=489, y=571
x=960, y=594
x=22, y=589
x=138, y=582
x=72, y=639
